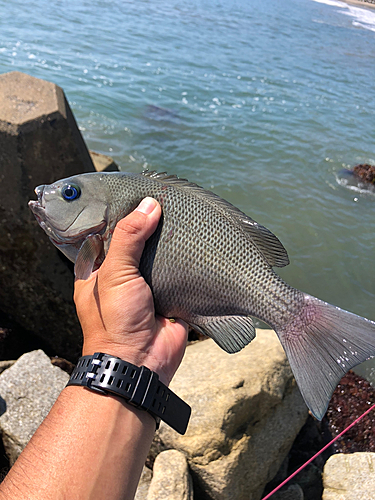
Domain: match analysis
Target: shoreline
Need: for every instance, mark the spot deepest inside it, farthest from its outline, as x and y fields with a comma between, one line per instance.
x=361, y=3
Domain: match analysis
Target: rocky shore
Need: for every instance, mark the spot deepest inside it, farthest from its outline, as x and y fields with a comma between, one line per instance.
x=368, y=3
x=249, y=428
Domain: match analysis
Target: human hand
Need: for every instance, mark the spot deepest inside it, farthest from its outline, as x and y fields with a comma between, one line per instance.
x=115, y=305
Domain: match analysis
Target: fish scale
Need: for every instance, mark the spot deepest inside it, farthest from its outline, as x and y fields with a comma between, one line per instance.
x=222, y=247
x=212, y=266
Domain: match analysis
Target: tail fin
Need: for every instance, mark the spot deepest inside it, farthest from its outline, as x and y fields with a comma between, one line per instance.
x=322, y=343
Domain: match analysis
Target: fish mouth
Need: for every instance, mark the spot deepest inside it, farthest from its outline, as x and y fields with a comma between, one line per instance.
x=37, y=209
x=37, y=206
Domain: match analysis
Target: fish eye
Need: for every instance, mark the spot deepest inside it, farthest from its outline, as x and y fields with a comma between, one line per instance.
x=70, y=192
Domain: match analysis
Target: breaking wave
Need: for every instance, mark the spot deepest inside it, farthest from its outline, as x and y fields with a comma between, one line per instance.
x=344, y=179
x=332, y=2
x=361, y=17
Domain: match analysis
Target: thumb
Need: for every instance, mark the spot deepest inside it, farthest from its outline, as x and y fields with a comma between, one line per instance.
x=131, y=233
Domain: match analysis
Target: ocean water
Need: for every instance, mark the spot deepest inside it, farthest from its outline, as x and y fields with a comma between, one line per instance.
x=262, y=101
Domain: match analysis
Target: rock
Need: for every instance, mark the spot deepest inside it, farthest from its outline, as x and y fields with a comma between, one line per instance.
x=28, y=389
x=4, y=365
x=246, y=413
x=311, y=439
x=103, y=163
x=15, y=340
x=39, y=143
x=349, y=477
x=64, y=364
x=293, y=492
x=144, y=484
x=361, y=176
x=171, y=479
x=366, y=172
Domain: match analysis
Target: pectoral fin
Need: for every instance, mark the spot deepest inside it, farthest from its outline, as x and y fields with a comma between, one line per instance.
x=90, y=256
x=231, y=333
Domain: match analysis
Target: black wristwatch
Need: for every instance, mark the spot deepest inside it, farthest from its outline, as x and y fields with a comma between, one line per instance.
x=139, y=386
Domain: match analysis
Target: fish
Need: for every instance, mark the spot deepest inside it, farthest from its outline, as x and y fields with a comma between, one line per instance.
x=210, y=265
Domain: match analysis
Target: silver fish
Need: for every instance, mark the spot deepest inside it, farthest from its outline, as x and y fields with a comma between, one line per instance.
x=210, y=265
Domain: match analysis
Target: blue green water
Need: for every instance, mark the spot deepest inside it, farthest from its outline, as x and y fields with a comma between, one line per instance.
x=262, y=101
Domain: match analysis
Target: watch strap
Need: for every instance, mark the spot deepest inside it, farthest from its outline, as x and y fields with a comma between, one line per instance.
x=139, y=386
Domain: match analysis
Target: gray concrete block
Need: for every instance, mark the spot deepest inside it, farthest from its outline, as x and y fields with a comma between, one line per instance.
x=39, y=143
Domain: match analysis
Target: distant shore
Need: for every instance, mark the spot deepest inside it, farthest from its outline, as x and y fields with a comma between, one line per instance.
x=362, y=3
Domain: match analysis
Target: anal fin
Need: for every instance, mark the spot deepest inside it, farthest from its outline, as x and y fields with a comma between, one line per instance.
x=231, y=333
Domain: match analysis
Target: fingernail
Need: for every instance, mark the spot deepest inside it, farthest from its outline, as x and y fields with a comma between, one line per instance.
x=147, y=206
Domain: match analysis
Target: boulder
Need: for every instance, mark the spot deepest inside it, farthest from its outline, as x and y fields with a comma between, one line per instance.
x=361, y=176
x=246, y=413
x=310, y=440
x=171, y=479
x=292, y=492
x=103, y=163
x=365, y=172
x=4, y=365
x=39, y=143
x=28, y=390
x=349, y=477
x=144, y=484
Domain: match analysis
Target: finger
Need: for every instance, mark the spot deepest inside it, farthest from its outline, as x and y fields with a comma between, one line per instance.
x=131, y=233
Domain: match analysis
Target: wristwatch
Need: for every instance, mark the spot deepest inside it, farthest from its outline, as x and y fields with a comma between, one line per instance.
x=139, y=386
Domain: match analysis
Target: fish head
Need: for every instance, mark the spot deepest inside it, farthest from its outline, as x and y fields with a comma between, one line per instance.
x=72, y=209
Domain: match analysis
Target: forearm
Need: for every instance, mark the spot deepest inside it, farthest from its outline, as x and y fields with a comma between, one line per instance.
x=89, y=446
x=94, y=446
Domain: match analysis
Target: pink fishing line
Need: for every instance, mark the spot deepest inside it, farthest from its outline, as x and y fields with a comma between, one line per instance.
x=317, y=454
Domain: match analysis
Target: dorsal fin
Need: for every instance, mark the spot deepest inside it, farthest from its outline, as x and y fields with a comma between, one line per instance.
x=266, y=242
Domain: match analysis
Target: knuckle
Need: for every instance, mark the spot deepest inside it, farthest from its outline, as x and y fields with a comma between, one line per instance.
x=132, y=225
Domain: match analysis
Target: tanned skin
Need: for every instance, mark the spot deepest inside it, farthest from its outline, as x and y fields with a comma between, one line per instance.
x=92, y=446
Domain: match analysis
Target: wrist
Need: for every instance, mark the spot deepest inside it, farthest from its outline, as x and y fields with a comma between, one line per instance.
x=113, y=403
x=132, y=355
x=138, y=386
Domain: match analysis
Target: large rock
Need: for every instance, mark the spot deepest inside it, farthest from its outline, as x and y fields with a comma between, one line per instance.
x=144, y=484
x=246, y=413
x=349, y=477
x=171, y=479
x=39, y=143
x=28, y=390
x=103, y=163
x=293, y=492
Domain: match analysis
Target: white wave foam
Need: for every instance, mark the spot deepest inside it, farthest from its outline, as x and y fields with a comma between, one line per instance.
x=334, y=3
x=366, y=26
x=362, y=18
x=361, y=188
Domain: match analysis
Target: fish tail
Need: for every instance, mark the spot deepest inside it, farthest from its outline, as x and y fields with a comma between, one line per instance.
x=322, y=343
